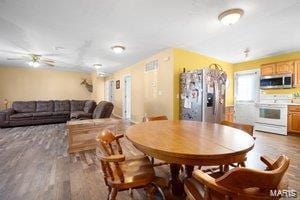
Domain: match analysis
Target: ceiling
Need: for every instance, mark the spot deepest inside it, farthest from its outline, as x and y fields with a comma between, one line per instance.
x=86, y=29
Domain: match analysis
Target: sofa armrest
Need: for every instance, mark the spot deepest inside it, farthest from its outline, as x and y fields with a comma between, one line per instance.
x=5, y=114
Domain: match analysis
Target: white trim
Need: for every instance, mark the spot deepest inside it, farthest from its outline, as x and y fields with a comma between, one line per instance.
x=256, y=70
x=107, y=83
x=123, y=94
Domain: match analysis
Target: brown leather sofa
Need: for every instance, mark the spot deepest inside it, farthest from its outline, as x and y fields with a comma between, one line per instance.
x=45, y=112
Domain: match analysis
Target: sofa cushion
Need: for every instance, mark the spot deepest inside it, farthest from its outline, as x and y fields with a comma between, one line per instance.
x=77, y=105
x=42, y=114
x=21, y=116
x=63, y=105
x=44, y=106
x=24, y=106
x=89, y=106
x=80, y=115
x=61, y=113
x=103, y=110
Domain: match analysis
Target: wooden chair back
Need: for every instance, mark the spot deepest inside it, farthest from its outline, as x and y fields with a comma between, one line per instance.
x=111, y=154
x=244, y=127
x=239, y=179
x=155, y=118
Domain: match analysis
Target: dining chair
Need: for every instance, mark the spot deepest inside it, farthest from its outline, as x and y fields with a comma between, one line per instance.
x=239, y=183
x=244, y=127
x=122, y=173
x=155, y=118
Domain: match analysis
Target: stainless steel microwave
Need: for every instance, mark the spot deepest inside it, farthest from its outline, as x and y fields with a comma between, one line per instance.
x=276, y=81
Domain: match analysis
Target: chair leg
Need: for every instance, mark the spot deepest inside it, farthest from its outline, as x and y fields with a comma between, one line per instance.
x=150, y=190
x=226, y=168
x=109, y=191
x=242, y=164
x=152, y=160
x=113, y=194
x=162, y=186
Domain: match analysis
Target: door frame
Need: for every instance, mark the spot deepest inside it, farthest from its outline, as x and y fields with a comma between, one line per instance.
x=107, y=85
x=252, y=103
x=124, y=114
x=256, y=70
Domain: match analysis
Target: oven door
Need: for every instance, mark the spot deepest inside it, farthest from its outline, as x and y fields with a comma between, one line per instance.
x=272, y=114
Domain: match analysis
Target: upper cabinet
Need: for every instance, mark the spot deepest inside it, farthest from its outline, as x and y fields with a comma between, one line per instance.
x=297, y=73
x=277, y=68
x=268, y=69
x=285, y=67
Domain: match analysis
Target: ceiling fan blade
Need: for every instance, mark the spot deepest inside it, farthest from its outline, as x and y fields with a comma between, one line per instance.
x=13, y=52
x=47, y=60
x=51, y=65
x=15, y=59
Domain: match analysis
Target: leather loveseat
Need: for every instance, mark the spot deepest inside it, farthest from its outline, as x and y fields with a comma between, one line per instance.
x=45, y=112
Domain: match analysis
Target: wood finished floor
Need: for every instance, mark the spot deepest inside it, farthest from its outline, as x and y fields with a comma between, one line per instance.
x=34, y=164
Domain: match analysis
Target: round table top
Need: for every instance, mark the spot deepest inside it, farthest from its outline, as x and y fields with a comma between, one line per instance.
x=183, y=141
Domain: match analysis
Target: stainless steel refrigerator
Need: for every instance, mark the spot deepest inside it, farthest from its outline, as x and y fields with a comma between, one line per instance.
x=202, y=95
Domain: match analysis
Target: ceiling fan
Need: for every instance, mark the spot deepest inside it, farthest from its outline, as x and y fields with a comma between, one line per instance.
x=35, y=60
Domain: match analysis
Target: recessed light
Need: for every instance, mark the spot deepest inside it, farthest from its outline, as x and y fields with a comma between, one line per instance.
x=97, y=66
x=231, y=16
x=118, y=49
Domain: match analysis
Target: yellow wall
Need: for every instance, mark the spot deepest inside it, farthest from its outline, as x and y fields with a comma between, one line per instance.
x=41, y=84
x=192, y=61
x=257, y=63
x=98, y=88
x=152, y=92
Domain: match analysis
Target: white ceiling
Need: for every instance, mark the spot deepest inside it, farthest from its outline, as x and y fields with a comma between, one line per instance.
x=88, y=28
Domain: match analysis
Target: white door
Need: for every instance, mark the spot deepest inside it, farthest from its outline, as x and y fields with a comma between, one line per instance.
x=246, y=94
x=109, y=90
x=127, y=97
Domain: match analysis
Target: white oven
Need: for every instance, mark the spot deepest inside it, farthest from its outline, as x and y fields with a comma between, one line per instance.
x=275, y=114
x=271, y=114
x=271, y=118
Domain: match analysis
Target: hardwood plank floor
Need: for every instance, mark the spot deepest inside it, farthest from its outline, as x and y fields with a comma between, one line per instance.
x=34, y=164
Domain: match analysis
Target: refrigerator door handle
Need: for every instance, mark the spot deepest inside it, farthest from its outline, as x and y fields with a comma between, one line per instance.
x=214, y=98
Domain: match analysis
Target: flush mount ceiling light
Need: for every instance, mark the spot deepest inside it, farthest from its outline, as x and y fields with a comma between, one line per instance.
x=118, y=49
x=231, y=16
x=97, y=66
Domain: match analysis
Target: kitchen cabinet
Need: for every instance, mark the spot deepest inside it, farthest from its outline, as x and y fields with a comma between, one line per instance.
x=268, y=69
x=277, y=68
x=229, y=113
x=285, y=67
x=297, y=73
x=294, y=119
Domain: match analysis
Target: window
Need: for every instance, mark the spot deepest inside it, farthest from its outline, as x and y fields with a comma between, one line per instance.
x=246, y=86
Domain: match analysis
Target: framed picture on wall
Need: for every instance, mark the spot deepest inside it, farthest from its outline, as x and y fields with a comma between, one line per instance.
x=118, y=84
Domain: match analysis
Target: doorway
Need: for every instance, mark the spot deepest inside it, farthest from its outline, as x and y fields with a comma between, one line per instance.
x=127, y=97
x=109, y=90
x=246, y=95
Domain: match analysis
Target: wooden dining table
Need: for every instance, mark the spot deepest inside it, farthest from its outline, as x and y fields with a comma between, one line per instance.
x=190, y=143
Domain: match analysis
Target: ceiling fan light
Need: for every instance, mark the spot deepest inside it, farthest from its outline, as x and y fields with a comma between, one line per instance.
x=118, y=49
x=97, y=66
x=230, y=17
x=34, y=64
